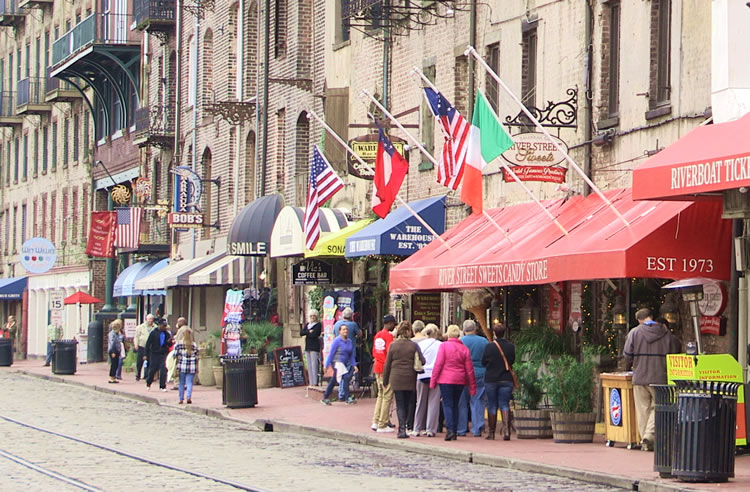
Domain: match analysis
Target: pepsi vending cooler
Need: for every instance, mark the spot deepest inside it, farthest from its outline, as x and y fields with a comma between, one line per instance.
x=619, y=409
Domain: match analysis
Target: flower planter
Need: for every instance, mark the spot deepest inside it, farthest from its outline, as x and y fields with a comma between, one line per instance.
x=264, y=376
x=533, y=424
x=573, y=427
x=205, y=370
x=218, y=375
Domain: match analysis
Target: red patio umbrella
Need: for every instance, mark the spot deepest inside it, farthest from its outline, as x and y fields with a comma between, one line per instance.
x=79, y=298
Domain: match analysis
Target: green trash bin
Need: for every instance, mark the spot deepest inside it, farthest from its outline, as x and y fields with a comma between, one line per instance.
x=64, y=357
x=239, y=389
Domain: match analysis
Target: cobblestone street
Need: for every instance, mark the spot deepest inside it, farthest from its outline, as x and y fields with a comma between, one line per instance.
x=224, y=449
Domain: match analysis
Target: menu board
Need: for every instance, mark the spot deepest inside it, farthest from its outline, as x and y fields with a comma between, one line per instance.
x=290, y=368
x=426, y=307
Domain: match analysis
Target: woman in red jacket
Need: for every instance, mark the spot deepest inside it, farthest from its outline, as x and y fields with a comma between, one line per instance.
x=453, y=370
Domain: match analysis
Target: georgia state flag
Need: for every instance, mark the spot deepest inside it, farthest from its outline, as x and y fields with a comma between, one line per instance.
x=390, y=171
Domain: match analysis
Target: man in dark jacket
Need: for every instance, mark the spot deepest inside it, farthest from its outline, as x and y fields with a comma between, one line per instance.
x=157, y=348
x=645, y=351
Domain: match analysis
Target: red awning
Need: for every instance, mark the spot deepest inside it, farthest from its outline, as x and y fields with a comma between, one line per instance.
x=666, y=239
x=710, y=158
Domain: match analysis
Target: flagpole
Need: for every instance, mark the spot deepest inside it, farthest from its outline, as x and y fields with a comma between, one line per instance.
x=471, y=51
x=369, y=168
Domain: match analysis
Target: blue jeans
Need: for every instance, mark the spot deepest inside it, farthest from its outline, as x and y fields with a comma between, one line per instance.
x=476, y=404
x=118, y=374
x=451, y=394
x=49, y=354
x=186, y=379
x=343, y=385
x=498, y=396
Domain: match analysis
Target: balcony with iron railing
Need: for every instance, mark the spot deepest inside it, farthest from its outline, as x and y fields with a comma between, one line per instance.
x=30, y=4
x=155, y=234
x=98, y=29
x=154, y=125
x=11, y=14
x=30, y=98
x=154, y=15
x=59, y=90
x=8, y=116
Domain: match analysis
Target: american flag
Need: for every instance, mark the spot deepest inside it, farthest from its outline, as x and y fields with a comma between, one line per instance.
x=455, y=132
x=128, y=233
x=323, y=184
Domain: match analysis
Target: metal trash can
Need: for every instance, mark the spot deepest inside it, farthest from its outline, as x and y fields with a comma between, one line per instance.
x=665, y=419
x=706, y=427
x=6, y=352
x=64, y=356
x=239, y=388
x=95, y=347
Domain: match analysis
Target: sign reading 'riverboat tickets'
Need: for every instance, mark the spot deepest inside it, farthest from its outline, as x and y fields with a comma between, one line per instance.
x=311, y=272
x=534, y=158
x=366, y=147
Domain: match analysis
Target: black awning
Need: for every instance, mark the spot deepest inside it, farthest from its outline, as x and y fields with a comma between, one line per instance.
x=250, y=234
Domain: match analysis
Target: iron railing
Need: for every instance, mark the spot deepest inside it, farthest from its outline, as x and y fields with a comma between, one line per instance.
x=154, y=229
x=150, y=11
x=7, y=104
x=31, y=91
x=155, y=120
x=101, y=28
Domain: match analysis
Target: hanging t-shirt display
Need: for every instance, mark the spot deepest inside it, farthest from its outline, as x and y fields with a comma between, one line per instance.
x=231, y=336
x=232, y=307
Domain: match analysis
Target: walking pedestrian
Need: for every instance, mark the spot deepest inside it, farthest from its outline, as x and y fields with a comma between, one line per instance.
x=186, y=352
x=452, y=371
x=427, y=412
x=478, y=402
x=645, y=351
x=54, y=333
x=400, y=375
x=498, y=380
x=114, y=347
x=355, y=333
x=157, y=348
x=343, y=359
x=311, y=331
x=417, y=327
x=181, y=326
x=11, y=331
x=142, y=332
x=123, y=353
x=381, y=342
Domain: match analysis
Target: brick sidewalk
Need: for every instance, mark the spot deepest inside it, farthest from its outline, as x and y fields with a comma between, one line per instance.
x=304, y=413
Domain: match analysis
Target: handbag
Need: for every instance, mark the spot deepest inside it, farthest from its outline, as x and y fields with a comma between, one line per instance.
x=418, y=367
x=510, y=370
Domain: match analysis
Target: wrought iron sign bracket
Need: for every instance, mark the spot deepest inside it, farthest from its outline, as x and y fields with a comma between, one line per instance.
x=234, y=112
x=304, y=84
x=198, y=8
x=162, y=36
x=562, y=114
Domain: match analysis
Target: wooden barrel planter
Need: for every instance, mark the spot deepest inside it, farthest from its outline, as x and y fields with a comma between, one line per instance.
x=573, y=427
x=533, y=424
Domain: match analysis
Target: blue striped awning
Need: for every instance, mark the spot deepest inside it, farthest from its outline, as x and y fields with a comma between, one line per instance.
x=125, y=283
x=12, y=288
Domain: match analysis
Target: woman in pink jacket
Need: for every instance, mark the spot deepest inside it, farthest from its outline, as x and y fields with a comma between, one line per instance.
x=453, y=370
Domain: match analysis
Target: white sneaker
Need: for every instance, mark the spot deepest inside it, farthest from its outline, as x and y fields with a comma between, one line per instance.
x=374, y=427
x=413, y=433
x=386, y=429
x=164, y=390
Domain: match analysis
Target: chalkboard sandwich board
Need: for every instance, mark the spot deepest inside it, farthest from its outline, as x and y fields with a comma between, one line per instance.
x=290, y=368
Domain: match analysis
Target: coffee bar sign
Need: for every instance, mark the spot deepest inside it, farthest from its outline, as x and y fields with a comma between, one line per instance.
x=534, y=158
x=311, y=272
x=366, y=147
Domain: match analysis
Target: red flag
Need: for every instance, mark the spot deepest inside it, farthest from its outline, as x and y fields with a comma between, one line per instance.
x=102, y=234
x=390, y=171
x=323, y=184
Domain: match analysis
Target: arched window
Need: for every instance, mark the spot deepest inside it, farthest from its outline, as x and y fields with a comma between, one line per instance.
x=250, y=167
x=301, y=157
x=208, y=72
x=250, y=47
x=206, y=197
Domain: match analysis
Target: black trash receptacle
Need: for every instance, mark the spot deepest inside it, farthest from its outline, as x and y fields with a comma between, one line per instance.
x=94, y=349
x=64, y=356
x=705, y=439
x=239, y=388
x=665, y=420
x=6, y=352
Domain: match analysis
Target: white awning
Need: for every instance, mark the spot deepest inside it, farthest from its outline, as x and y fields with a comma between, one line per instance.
x=229, y=270
x=287, y=237
x=176, y=273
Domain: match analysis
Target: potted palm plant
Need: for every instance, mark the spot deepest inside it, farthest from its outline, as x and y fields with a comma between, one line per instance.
x=569, y=385
x=262, y=337
x=531, y=422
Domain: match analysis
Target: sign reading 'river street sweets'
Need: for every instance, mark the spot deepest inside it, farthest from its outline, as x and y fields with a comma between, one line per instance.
x=534, y=158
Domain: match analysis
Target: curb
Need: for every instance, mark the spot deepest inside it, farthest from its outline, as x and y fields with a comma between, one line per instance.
x=270, y=425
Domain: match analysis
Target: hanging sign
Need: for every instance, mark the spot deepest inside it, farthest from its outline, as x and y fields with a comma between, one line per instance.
x=38, y=255
x=187, y=190
x=142, y=187
x=714, y=299
x=311, y=272
x=534, y=158
x=426, y=307
x=366, y=147
x=102, y=234
x=187, y=220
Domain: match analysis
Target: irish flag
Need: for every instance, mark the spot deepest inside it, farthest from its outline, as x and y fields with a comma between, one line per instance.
x=487, y=140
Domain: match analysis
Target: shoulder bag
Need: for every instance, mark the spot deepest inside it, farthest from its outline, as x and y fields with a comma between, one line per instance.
x=510, y=370
x=418, y=366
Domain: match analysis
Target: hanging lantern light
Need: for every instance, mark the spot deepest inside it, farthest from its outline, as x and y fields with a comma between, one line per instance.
x=618, y=312
x=495, y=312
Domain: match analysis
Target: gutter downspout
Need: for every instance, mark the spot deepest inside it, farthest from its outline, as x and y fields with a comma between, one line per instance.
x=266, y=62
x=737, y=312
x=178, y=108
x=587, y=131
x=472, y=67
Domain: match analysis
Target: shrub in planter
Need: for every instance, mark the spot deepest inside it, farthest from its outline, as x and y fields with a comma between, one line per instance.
x=263, y=337
x=530, y=421
x=569, y=385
